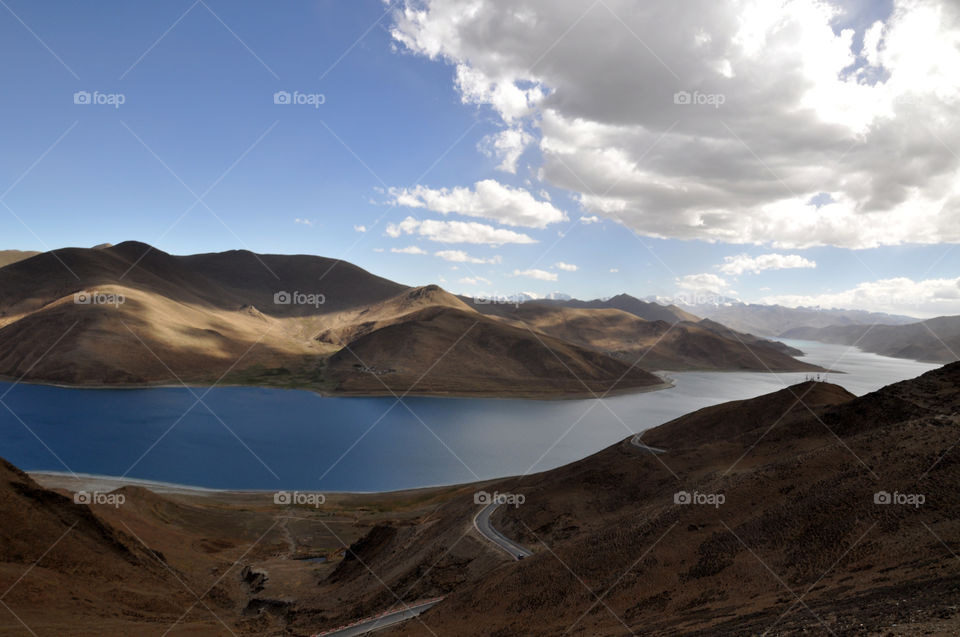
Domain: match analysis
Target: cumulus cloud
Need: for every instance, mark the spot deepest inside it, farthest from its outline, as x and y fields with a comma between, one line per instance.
x=569, y=267
x=926, y=298
x=819, y=140
x=702, y=282
x=489, y=199
x=588, y=219
x=360, y=228
x=507, y=146
x=535, y=273
x=456, y=232
x=303, y=222
x=409, y=250
x=737, y=265
x=459, y=256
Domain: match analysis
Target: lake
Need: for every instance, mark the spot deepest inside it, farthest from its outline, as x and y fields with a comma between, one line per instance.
x=251, y=438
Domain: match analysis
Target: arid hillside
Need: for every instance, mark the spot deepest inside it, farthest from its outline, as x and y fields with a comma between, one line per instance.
x=935, y=340
x=788, y=528
x=133, y=315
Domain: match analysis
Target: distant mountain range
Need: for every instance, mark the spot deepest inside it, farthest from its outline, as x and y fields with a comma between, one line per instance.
x=935, y=340
x=131, y=314
x=775, y=320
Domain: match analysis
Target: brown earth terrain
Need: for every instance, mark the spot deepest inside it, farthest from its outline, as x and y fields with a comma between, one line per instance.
x=935, y=340
x=133, y=315
x=800, y=543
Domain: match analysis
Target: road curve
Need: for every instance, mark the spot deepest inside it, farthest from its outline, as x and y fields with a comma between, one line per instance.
x=481, y=522
x=635, y=441
x=379, y=622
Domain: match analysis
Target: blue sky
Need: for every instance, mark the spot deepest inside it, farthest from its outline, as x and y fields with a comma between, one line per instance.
x=198, y=119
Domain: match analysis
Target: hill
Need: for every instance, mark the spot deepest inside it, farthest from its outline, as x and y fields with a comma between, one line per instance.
x=801, y=541
x=12, y=256
x=935, y=340
x=131, y=315
x=775, y=320
x=678, y=344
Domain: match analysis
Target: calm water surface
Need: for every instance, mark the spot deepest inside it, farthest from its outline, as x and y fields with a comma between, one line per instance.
x=249, y=438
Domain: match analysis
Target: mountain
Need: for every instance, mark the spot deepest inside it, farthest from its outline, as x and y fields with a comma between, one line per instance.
x=835, y=515
x=132, y=314
x=12, y=256
x=677, y=344
x=936, y=340
x=775, y=320
x=646, y=310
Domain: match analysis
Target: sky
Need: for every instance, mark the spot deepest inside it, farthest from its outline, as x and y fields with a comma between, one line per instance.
x=798, y=152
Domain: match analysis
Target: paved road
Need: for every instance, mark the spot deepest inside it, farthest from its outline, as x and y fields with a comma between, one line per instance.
x=635, y=441
x=371, y=624
x=481, y=521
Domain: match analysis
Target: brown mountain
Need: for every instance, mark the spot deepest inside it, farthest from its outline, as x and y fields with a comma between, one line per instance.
x=935, y=340
x=800, y=544
x=653, y=343
x=12, y=256
x=131, y=314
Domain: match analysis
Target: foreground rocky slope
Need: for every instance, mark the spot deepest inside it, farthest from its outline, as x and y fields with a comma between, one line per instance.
x=805, y=511
x=788, y=530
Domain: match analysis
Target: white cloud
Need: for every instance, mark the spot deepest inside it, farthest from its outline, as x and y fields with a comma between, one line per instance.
x=590, y=219
x=926, y=298
x=409, y=250
x=457, y=232
x=614, y=270
x=702, y=282
x=507, y=145
x=804, y=112
x=534, y=273
x=459, y=256
x=474, y=280
x=360, y=228
x=569, y=267
x=489, y=199
x=303, y=222
x=737, y=265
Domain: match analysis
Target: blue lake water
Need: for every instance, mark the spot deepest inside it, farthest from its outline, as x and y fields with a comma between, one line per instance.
x=250, y=438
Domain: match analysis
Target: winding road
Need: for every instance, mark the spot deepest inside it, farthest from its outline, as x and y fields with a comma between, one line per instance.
x=371, y=624
x=635, y=441
x=481, y=522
